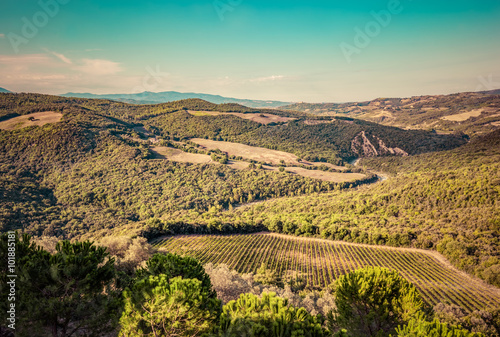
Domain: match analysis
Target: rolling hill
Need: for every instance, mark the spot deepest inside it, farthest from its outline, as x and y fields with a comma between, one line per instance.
x=148, y=97
x=93, y=173
x=471, y=113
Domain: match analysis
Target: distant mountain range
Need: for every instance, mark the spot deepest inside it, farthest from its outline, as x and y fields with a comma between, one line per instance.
x=5, y=90
x=148, y=97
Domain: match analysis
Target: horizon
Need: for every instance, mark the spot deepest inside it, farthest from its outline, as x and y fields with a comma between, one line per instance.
x=297, y=51
x=249, y=99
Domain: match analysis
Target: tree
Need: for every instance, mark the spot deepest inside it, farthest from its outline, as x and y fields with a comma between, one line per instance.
x=419, y=327
x=173, y=265
x=67, y=292
x=159, y=306
x=373, y=301
x=267, y=316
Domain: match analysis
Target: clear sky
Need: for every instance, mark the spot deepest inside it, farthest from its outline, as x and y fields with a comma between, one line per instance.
x=294, y=50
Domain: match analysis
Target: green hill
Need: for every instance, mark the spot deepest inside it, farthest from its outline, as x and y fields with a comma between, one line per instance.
x=93, y=173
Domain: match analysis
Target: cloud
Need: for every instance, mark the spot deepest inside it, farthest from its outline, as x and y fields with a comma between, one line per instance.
x=99, y=67
x=268, y=78
x=59, y=56
x=52, y=72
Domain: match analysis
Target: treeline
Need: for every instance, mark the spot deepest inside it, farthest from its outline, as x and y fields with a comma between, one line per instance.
x=79, y=289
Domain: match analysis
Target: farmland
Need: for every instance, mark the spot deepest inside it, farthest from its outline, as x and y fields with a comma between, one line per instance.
x=262, y=118
x=320, y=262
x=36, y=118
x=255, y=153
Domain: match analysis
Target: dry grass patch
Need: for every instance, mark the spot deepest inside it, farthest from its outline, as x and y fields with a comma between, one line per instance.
x=36, y=118
x=164, y=152
x=259, y=154
x=263, y=118
x=463, y=116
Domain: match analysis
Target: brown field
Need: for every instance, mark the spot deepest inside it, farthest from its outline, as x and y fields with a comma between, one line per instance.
x=249, y=152
x=264, y=118
x=164, y=152
x=259, y=154
x=40, y=118
x=463, y=116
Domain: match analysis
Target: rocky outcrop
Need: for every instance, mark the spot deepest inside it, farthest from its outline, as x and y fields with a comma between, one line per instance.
x=363, y=147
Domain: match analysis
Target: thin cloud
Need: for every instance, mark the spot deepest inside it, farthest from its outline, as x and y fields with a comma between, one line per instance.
x=99, y=67
x=59, y=56
x=268, y=78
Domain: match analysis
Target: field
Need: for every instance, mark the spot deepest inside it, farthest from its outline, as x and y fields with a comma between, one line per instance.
x=163, y=152
x=263, y=118
x=320, y=262
x=39, y=118
x=463, y=116
x=259, y=154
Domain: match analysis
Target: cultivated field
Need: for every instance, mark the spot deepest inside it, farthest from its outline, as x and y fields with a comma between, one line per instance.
x=163, y=152
x=259, y=154
x=263, y=118
x=322, y=261
x=463, y=116
x=39, y=118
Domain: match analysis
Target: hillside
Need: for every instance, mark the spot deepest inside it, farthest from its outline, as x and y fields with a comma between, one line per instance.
x=148, y=97
x=446, y=201
x=471, y=113
x=2, y=90
x=94, y=172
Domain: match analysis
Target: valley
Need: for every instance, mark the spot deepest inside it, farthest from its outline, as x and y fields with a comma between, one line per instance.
x=304, y=194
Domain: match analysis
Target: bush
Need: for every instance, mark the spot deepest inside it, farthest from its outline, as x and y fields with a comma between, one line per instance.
x=373, y=301
x=159, y=306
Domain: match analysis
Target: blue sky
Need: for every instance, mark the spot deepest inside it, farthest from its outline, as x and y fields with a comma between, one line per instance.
x=282, y=50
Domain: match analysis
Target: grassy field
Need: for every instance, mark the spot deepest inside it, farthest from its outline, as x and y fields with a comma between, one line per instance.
x=259, y=154
x=463, y=116
x=163, y=152
x=263, y=118
x=320, y=262
x=38, y=118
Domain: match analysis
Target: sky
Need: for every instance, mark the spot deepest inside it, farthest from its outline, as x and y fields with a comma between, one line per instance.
x=295, y=50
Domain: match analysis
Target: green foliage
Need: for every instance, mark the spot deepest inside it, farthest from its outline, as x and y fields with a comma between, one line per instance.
x=163, y=306
x=418, y=327
x=267, y=316
x=266, y=275
x=373, y=301
x=71, y=291
x=173, y=265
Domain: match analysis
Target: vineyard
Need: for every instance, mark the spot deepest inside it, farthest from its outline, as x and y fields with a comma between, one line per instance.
x=320, y=262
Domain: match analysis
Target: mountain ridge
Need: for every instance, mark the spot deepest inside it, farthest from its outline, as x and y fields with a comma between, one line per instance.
x=148, y=97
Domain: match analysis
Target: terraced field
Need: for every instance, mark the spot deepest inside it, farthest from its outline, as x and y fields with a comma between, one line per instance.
x=322, y=261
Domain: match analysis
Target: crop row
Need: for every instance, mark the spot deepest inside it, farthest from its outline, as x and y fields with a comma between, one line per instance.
x=320, y=262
